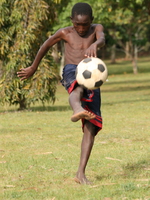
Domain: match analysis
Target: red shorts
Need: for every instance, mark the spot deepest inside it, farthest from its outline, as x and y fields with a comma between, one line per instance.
x=91, y=100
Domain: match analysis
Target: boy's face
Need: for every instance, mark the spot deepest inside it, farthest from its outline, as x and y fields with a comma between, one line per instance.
x=81, y=24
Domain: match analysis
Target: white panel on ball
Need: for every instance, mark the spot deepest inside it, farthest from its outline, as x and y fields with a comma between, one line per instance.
x=91, y=73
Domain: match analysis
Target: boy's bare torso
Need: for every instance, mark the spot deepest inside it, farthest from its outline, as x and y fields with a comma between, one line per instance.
x=75, y=45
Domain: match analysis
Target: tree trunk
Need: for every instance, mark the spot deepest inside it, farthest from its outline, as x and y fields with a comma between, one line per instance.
x=113, y=54
x=127, y=51
x=134, y=64
x=134, y=60
x=1, y=72
x=22, y=104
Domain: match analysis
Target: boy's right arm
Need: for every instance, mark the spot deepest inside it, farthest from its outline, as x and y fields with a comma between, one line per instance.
x=25, y=73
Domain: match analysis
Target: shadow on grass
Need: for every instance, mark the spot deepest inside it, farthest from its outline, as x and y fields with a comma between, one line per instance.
x=128, y=81
x=137, y=166
x=130, y=170
x=125, y=89
x=126, y=71
x=39, y=109
x=127, y=101
x=50, y=108
x=136, y=169
x=131, y=85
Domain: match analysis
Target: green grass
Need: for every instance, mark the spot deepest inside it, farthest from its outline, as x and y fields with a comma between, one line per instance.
x=40, y=148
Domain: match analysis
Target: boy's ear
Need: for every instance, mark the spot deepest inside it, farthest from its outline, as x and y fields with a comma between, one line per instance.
x=92, y=18
x=71, y=18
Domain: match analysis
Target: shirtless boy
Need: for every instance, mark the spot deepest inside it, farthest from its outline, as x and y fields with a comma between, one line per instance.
x=81, y=41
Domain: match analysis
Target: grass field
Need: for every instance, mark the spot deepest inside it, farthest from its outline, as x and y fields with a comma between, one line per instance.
x=40, y=148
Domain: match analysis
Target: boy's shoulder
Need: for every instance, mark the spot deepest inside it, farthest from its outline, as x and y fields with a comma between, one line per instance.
x=66, y=29
x=63, y=32
x=96, y=25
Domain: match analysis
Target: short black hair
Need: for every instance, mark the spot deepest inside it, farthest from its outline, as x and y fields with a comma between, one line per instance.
x=82, y=9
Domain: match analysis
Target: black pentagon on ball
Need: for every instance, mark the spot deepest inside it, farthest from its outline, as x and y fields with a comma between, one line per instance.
x=98, y=83
x=86, y=60
x=87, y=74
x=101, y=67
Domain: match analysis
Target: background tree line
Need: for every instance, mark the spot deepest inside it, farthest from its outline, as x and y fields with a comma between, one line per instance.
x=26, y=24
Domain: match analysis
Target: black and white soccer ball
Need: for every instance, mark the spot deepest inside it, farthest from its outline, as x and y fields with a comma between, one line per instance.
x=91, y=73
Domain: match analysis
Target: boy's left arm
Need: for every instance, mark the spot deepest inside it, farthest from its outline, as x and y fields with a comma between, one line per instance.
x=100, y=42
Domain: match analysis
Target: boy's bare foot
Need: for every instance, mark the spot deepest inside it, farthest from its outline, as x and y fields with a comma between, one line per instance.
x=82, y=114
x=81, y=179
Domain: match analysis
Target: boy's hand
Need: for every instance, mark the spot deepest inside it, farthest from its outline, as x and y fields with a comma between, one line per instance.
x=25, y=73
x=91, y=51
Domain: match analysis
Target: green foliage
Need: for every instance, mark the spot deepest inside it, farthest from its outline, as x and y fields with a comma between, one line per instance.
x=126, y=23
x=24, y=26
x=41, y=87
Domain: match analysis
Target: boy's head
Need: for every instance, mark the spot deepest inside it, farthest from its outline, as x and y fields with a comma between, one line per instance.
x=82, y=18
x=82, y=9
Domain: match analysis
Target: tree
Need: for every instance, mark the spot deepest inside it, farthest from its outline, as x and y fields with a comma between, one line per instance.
x=127, y=23
x=24, y=26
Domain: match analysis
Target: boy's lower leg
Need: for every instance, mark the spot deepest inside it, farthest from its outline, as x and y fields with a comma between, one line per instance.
x=75, y=103
x=86, y=147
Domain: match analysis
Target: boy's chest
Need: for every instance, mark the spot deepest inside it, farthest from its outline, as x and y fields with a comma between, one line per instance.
x=77, y=42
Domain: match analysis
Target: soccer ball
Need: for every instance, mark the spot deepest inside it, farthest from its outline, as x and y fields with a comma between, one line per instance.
x=91, y=73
